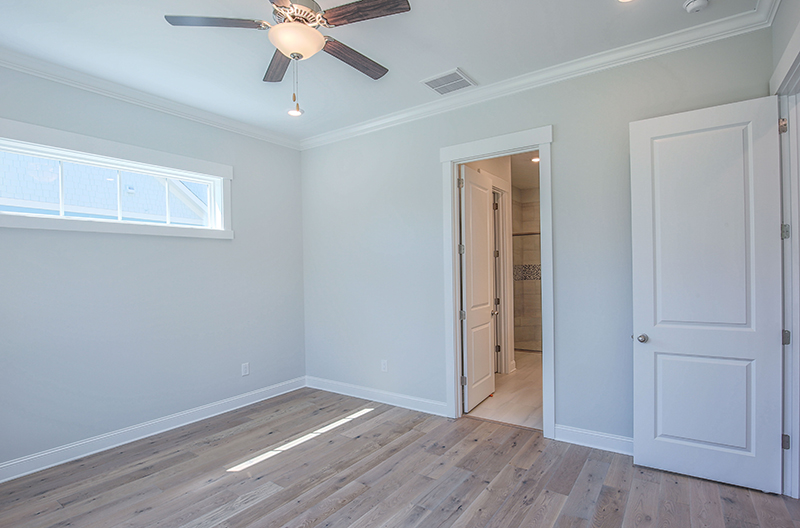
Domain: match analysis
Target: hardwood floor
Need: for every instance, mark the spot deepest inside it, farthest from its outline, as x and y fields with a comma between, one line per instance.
x=388, y=467
x=517, y=398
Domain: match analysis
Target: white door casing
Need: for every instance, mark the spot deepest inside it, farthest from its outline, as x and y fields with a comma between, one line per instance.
x=477, y=199
x=499, y=287
x=451, y=157
x=706, y=215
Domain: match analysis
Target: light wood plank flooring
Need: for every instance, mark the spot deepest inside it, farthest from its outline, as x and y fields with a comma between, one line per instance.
x=389, y=467
x=517, y=398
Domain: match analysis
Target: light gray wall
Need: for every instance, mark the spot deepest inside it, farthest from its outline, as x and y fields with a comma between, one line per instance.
x=373, y=237
x=786, y=21
x=102, y=331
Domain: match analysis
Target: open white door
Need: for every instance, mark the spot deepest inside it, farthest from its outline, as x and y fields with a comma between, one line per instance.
x=707, y=307
x=478, y=279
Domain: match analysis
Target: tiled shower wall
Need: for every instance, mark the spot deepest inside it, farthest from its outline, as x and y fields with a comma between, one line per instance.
x=527, y=269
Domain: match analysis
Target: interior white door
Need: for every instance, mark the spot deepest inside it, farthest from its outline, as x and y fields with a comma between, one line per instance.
x=705, y=196
x=477, y=223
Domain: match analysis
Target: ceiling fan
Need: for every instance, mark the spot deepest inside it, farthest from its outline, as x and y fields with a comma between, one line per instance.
x=296, y=36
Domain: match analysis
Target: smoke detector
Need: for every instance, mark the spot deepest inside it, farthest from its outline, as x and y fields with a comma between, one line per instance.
x=695, y=6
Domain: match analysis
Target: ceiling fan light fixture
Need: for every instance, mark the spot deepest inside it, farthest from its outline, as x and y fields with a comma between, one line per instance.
x=296, y=40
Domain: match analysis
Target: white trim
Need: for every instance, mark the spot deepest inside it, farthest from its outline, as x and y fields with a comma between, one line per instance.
x=790, y=161
x=760, y=18
x=495, y=147
x=794, y=307
x=508, y=363
x=548, y=296
x=785, y=79
x=391, y=398
x=595, y=439
x=59, y=455
x=523, y=141
x=53, y=72
x=452, y=291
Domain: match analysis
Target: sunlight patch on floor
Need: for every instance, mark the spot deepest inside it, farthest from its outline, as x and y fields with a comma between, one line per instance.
x=285, y=447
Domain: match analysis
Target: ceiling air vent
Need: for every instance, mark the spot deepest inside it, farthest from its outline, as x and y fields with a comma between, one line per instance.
x=449, y=82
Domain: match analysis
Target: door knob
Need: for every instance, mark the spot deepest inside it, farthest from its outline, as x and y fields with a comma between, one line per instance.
x=495, y=312
x=642, y=338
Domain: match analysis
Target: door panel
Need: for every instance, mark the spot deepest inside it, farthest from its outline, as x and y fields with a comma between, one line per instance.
x=714, y=387
x=705, y=191
x=478, y=229
x=697, y=183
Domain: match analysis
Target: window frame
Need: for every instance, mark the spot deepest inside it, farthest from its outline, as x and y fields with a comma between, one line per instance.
x=161, y=165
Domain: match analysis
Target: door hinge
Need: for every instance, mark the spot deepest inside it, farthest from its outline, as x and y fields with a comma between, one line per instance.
x=786, y=231
x=462, y=315
x=462, y=249
x=496, y=300
x=783, y=125
x=496, y=253
x=495, y=206
x=787, y=337
x=497, y=348
x=461, y=182
x=464, y=381
x=786, y=441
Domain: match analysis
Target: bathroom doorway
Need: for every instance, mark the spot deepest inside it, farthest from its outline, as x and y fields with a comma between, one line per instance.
x=518, y=391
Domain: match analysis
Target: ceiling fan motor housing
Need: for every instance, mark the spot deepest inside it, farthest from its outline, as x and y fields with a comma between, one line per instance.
x=306, y=11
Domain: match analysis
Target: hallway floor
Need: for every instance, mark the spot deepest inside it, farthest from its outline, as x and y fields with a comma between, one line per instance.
x=517, y=398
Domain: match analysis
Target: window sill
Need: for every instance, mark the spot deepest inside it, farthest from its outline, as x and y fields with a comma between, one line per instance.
x=99, y=226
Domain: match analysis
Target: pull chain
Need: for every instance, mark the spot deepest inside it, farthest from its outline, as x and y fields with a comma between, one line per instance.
x=295, y=86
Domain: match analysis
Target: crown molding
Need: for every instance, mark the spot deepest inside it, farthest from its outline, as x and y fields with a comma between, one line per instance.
x=770, y=7
x=52, y=72
x=759, y=18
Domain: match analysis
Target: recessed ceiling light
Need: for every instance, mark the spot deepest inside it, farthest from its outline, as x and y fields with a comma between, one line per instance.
x=624, y=1
x=535, y=160
x=295, y=112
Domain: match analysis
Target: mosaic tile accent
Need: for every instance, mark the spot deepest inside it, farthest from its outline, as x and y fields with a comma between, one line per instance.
x=526, y=272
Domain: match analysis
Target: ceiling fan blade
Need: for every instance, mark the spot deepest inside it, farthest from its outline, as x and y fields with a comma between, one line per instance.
x=350, y=56
x=364, y=10
x=196, y=21
x=277, y=67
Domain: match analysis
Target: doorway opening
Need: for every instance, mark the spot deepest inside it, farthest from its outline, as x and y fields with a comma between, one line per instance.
x=453, y=159
x=517, y=343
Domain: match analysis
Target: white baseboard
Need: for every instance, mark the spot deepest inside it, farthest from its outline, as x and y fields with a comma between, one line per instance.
x=59, y=455
x=392, y=398
x=597, y=440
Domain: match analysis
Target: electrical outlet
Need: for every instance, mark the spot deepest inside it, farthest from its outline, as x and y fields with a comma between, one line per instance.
x=384, y=365
x=245, y=369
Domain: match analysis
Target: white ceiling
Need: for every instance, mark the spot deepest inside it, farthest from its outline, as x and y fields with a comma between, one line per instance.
x=524, y=172
x=125, y=48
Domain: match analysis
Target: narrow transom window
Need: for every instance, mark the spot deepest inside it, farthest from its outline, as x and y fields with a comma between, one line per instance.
x=36, y=180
